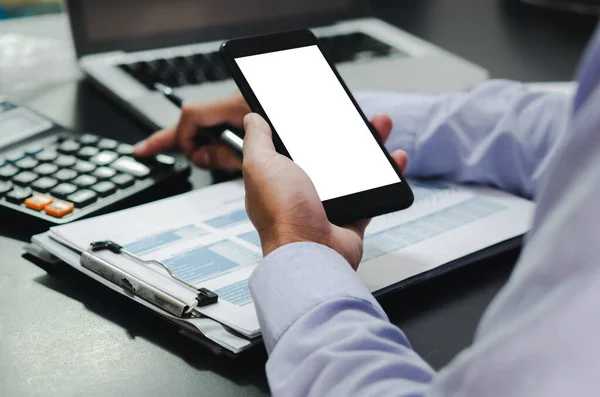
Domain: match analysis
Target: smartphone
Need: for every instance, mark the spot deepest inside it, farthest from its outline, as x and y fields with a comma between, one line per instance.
x=288, y=79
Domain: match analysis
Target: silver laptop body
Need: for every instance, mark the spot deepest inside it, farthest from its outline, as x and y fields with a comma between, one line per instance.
x=127, y=45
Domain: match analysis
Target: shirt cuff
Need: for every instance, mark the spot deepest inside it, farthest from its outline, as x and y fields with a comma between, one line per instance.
x=297, y=277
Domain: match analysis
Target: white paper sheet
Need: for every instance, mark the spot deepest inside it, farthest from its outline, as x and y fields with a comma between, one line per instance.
x=206, y=238
x=42, y=246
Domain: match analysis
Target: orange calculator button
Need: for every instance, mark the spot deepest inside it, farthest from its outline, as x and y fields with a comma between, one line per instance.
x=58, y=208
x=38, y=201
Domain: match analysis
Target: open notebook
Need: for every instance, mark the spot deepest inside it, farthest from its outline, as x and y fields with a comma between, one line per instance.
x=206, y=239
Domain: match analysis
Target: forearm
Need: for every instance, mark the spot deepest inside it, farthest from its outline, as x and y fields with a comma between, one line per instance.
x=326, y=335
x=500, y=133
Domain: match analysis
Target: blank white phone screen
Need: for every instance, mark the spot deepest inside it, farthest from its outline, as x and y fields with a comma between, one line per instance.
x=317, y=122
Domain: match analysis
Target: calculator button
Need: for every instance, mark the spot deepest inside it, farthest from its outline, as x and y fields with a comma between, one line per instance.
x=59, y=208
x=104, y=173
x=108, y=144
x=33, y=150
x=84, y=167
x=85, y=181
x=38, y=201
x=18, y=195
x=44, y=184
x=123, y=180
x=46, y=156
x=87, y=152
x=65, y=175
x=27, y=163
x=63, y=190
x=8, y=171
x=129, y=166
x=14, y=157
x=88, y=139
x=125, y=149
x=82, y=198
x=69, y=147
x=5, y=187
x=165, y=161
x=25, y=178
x=62, y=138
x=65, y=161
x=104, y=188
x=104, y=158
x=45, y=169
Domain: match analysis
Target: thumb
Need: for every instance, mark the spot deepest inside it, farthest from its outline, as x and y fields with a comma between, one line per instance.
x=258, y=139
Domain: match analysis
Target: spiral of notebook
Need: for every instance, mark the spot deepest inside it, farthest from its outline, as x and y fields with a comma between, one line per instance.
x=188, y=258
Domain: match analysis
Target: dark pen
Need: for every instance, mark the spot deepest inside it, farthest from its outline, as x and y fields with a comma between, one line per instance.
x=223, y=132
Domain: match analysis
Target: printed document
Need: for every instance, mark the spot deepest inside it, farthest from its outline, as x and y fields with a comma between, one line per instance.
x=206, y=238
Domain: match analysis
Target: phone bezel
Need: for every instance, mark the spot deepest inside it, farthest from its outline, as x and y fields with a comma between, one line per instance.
x=341, y=210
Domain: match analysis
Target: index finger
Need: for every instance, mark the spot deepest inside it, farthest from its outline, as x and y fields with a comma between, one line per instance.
x=157, y=142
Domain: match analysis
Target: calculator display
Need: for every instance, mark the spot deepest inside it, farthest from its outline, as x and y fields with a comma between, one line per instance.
x=19, y=123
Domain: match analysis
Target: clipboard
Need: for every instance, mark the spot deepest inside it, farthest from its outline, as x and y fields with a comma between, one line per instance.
x=215, y=336
x=180, y=302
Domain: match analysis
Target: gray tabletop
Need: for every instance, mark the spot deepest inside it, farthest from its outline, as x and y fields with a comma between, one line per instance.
x=61, y=334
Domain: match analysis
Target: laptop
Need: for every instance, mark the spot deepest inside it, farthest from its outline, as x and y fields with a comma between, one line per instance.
x=126, y=46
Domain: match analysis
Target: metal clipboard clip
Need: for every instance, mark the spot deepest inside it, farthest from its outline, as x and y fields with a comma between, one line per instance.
x=177, y=306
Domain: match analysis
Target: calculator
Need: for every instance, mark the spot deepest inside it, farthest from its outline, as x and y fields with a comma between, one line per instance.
x=50, y=175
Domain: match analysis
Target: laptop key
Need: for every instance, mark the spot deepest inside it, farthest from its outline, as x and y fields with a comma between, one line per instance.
x=195, y=76
x=25, y=178
x=8, y=171
x=63, y=190
x=65, y=175
x=27, y=163
x=18, y=195
x=44, y=184
x=85, y=181
x=123, y=180
x=65, y=161
x=46, y=169
x=82, y=198
x=104, y=188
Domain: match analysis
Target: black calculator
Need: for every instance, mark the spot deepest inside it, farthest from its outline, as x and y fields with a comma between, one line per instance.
x=51, y=175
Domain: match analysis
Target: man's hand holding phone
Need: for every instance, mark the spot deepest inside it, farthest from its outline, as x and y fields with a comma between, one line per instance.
x=282, y=202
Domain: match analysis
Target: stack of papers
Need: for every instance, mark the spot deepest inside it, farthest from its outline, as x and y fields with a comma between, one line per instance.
x=206, y=239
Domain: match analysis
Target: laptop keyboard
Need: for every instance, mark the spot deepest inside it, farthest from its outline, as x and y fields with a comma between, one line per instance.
x=202, y=68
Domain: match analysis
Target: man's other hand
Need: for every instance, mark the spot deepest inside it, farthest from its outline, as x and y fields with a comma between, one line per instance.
x=282, y=202
x=193, y=117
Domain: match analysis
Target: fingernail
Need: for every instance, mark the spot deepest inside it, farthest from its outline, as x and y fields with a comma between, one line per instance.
x=140, y=146
x=250, y=119
x=204, y=158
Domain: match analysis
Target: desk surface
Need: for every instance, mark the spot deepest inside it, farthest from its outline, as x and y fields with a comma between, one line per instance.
x=61, y=334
